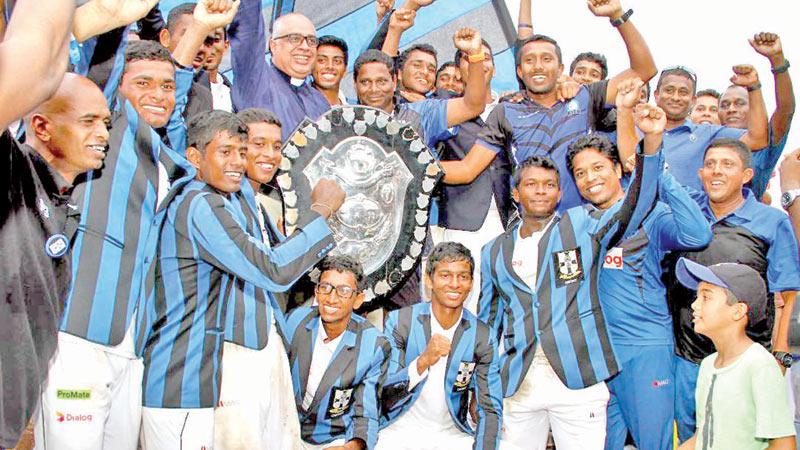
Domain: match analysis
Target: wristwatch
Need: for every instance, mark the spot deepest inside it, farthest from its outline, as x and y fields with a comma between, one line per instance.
x=788, y=197
x=784, y=358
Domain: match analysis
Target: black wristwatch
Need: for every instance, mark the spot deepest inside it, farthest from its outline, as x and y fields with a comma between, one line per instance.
x=784, y=358
x=622, y=19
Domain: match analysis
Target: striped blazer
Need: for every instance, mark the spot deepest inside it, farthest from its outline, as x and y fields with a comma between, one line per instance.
x=202, y=245
x=472, y=365
x=118, y=207
x=345, y=404
x=564, y=315
x=251, y=309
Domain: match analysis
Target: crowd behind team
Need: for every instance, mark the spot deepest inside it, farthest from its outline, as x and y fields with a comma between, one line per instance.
x=603, y=266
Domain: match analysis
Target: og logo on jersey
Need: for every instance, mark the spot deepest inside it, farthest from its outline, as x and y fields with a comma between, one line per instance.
x=340, y=402
x=464, y=376
x=613, y=259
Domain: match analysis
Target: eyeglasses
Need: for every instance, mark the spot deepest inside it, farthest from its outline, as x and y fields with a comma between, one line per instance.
x=295, y=39
x=684, y=69
x=342, y=291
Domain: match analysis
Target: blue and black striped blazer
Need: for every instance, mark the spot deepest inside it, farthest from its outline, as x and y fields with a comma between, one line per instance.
x=564, y=314
x=472, y=365
x=345, y=404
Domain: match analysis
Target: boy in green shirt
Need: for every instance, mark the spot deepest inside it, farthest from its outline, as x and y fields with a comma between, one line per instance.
x=742, y=398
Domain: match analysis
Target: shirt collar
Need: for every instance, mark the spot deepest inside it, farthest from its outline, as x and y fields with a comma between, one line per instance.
x=687, y=124
x=745, y=211
x=296, y=82
x=51, y=180
x=435, y=322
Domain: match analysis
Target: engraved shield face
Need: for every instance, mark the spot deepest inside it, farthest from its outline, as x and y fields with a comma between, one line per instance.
x=388, y=175
x=368, y=224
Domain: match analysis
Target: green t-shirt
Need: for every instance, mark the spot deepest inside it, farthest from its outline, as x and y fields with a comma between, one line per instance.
x=743, y=405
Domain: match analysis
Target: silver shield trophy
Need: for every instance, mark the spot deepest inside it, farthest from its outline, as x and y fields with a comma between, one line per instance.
x=388, y=175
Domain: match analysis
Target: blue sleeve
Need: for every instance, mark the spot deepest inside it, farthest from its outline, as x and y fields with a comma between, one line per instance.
x=395, y=389
x=683, y=226
x=783, y=263
x=491, y=305
x=176, y=127
x=248, y=49
x=764, y=162
x=223, y=242
x=366, y=417
x=727, y=132
x=489, y=392
x=626, y=216
x=433, y=119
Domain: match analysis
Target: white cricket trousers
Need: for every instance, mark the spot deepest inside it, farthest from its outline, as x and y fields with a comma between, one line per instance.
x=93, y=396
x=256, y=409
x=577, y=416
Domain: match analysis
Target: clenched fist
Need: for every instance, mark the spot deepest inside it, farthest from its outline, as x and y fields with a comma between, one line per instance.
x=628, y=93
x=468, y=41
x=650, y=119
x=744, y=75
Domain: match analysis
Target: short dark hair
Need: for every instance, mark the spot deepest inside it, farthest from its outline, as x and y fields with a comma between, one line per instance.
x=709, y=93
x=372, y=56
x=594, y=141
x=535, y=161
x=337, y=42
x=257, y=115
x=425, y=48
x=592, y=57
x=536, y=38
x=344, y=263
x=449, y=252
x=460, y=54
x=204, y=126
x=147, y=51
x=680, y=71
x=445, y=66
x=738, y=146
x=175, y=14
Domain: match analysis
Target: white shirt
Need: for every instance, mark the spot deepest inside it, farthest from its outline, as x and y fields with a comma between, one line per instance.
x=431, y=407
x=320, y=360
x=524, y=260
x=221, y=95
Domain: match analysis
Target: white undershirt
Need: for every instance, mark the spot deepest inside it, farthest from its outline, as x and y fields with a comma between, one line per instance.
x=524, y=260
x=320, y=360
x=221, y=95
x=431, y=407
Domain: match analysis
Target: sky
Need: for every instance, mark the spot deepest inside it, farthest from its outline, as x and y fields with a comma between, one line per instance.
x=708, y=36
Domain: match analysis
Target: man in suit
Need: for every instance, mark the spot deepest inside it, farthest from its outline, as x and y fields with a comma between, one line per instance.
x=539, y=287
x=338, y=360
x=441, y=357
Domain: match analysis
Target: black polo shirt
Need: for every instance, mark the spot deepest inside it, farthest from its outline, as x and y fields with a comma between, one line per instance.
x=36, y=227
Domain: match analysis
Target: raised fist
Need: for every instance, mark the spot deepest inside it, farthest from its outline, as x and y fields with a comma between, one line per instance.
x=382, y=7
x=767, y=44
x=650, y=119
x=744, y=75
x=213, y=14
x=123, y=11
x=605, y=8
x=790, y=171
x=628, y=93
x=402, y=19
x=468, y=41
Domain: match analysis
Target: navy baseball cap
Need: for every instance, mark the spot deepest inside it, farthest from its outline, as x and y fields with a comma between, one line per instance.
x=745, y=283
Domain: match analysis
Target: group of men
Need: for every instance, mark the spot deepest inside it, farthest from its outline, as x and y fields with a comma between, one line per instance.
x=144, y=252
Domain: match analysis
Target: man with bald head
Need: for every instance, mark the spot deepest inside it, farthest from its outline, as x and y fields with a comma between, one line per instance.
x=281, y=84
x=66, y=136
